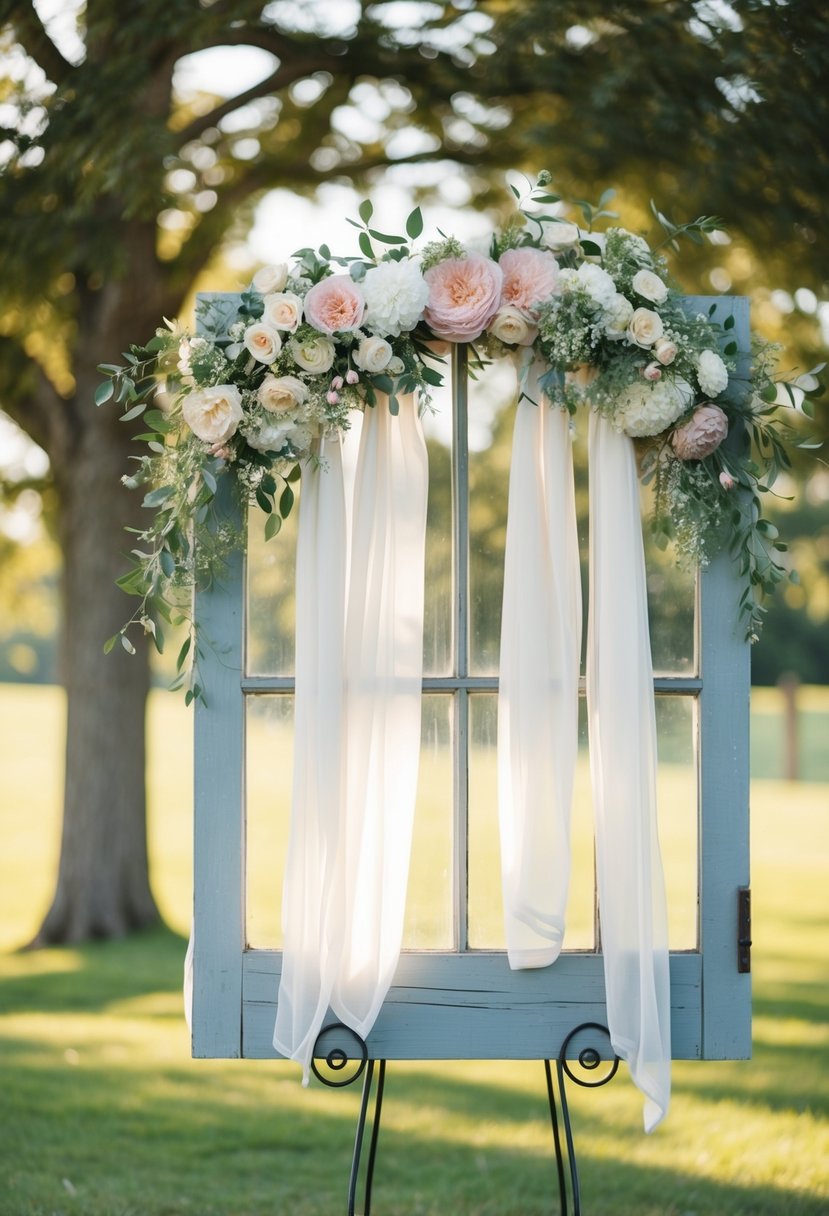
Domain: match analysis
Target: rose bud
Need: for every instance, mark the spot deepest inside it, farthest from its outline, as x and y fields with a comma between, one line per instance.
x=331, y=397
x=351, y=376
x=337, y=382
x=652, y=372
x=727, y=481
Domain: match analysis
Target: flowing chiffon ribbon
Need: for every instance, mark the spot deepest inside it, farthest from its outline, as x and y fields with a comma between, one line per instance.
x=539, y=681
x=538, y=722
x=312, y=928
x=622, y=728
x=357, y=734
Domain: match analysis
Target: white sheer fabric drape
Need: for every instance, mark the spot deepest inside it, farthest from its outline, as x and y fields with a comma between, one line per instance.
x=539, y=681
x=360, y=651
x=311, y=921
x=538, y=725
x=622, y=725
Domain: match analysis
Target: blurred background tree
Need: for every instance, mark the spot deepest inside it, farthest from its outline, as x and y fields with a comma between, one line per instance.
x=119, y=190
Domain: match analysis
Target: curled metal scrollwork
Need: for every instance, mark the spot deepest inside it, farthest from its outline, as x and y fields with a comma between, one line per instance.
x=589, y=1057
x=344, y=1059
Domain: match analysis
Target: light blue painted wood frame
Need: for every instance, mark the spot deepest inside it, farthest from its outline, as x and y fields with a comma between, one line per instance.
x=468, y=1004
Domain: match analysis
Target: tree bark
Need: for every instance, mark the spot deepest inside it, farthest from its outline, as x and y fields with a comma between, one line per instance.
x=103, y=887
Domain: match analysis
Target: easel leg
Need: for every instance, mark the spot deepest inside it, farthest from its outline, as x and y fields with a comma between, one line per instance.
x=368, y=1080
x=589, y=1058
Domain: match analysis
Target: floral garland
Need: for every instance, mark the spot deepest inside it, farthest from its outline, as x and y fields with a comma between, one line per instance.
x=316, y=340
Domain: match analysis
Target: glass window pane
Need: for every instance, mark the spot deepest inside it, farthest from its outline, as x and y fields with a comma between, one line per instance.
x=486, y=916
x=428, y=924
x=671, y=605
x=492, y=401
x=271, y=605
x=677, y=802
x=437, y=616
x=269, y=768
x=486, y=908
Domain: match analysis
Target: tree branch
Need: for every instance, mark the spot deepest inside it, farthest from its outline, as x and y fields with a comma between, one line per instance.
x=284, y=75
x=31, y=34
x=28, y=396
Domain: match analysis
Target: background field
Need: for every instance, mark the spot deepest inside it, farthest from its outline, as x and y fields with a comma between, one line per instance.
x=103, y=1113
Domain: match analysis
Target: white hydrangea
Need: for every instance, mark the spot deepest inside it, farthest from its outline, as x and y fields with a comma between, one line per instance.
x=395, y=294
x=712, y=373
x=597, y=283
x=648, y=408
x=617, y=316
x=273, y=436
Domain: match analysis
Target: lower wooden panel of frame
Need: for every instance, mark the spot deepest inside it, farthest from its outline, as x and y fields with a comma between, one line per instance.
x=472, y=1007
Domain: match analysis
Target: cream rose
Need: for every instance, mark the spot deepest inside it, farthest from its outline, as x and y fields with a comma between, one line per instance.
x=263, y=342
x=213, y=414
x=511, y=326
x=558, y=235
x=645, y=327
x=649, y=286
x=279, y=394
x=283, y=310
x=314, y=355
x=270, y=278
x=373, y=355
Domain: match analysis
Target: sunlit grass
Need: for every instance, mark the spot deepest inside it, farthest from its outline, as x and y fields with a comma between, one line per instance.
x=103, y=1113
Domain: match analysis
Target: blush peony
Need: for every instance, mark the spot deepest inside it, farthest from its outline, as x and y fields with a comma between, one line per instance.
x=702, y=434
x=464, y=295
x=335, y=305
x=530, y=277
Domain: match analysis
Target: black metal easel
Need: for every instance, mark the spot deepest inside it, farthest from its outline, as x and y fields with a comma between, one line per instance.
x=345, y=1069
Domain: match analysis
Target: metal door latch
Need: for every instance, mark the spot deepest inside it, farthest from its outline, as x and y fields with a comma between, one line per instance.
x=744, y=929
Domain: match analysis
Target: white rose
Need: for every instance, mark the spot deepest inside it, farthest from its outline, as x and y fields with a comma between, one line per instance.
x=396, y=367
x=282, y=393
x=213, y=414
x=665, y=351
x=510, y=325
x=597, y=283
x=315, y=355
x=283, y=310
x=373, y=355
x=270, y=278
x=396, y=294
x=558, y=235
x=645, y=327
x=263, y=342
x=712, y=373
x=617, y=317
x=650, y=286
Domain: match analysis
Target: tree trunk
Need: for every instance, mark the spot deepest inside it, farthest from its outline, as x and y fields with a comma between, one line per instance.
x=103, y=887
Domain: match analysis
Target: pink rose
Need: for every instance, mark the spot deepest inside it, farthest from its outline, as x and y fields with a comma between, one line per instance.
x=530, y=276
x=464, y=296
x=335, y=305
x=727, y=481
x=652, y=372
x=702, y=434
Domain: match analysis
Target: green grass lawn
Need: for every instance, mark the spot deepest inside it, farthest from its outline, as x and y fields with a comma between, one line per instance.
x=103, y=1113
